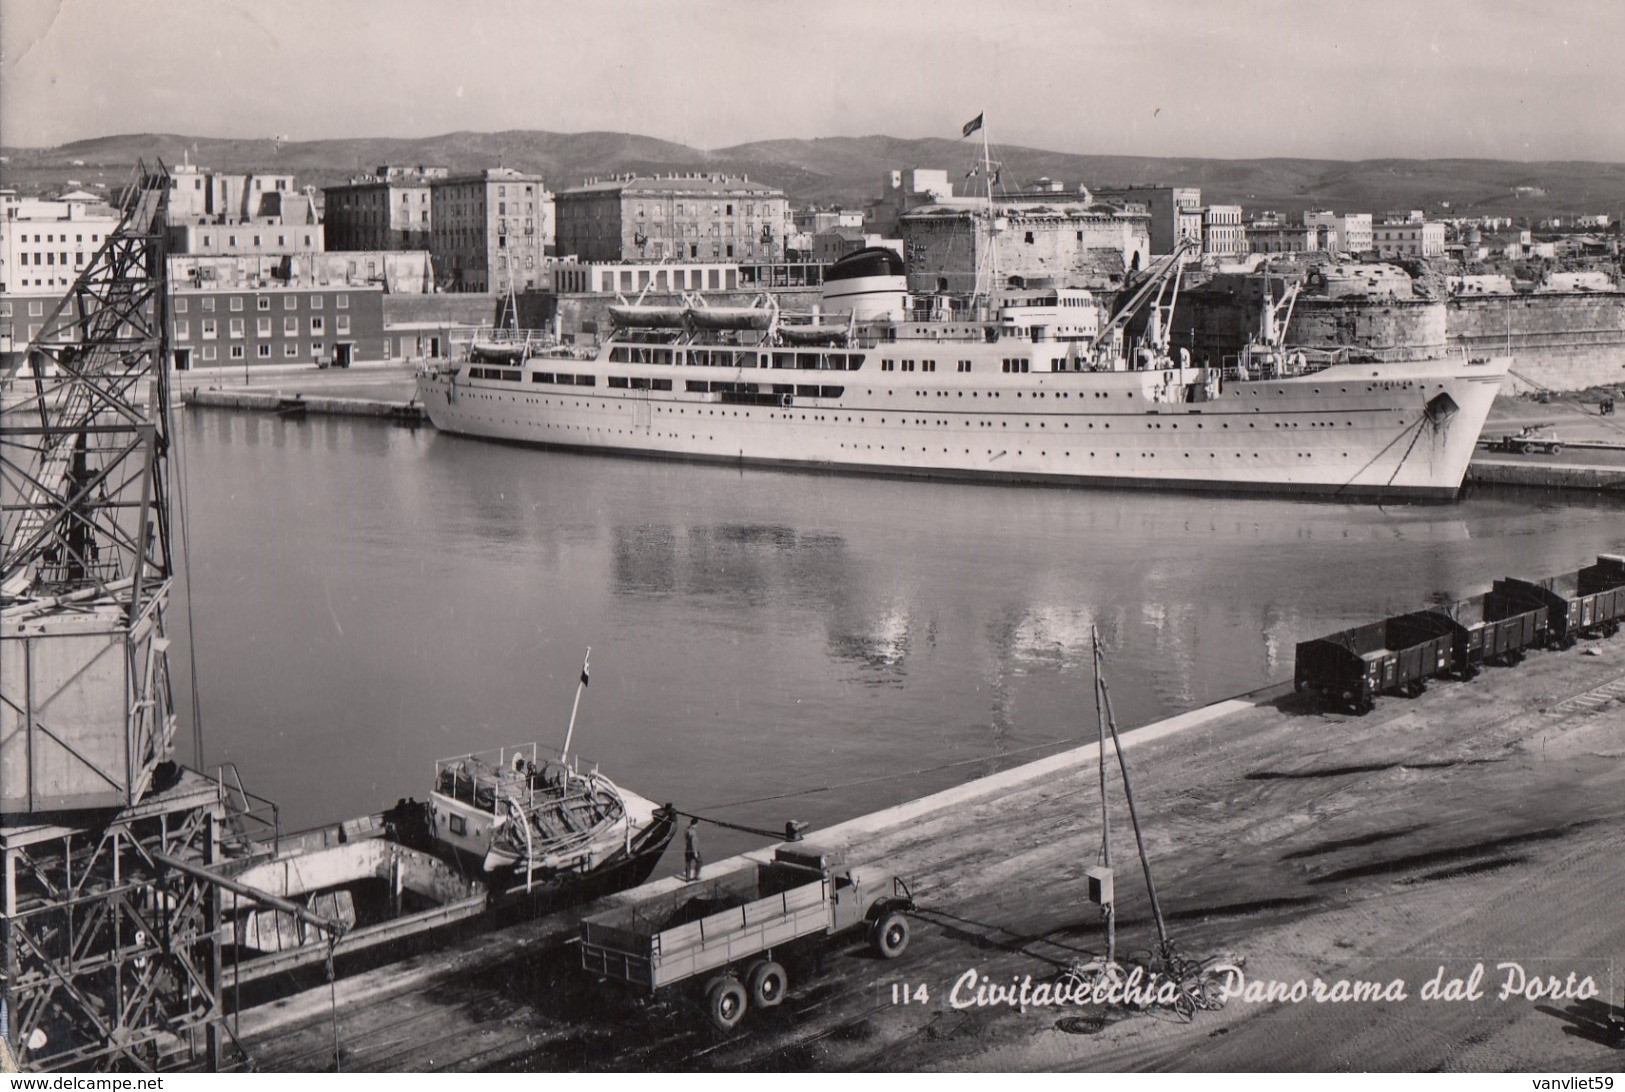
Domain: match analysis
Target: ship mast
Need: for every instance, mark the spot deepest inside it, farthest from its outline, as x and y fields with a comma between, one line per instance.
x=993, y=223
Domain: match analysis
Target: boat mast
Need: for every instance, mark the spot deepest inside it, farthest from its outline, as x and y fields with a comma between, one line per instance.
x=580, y=686
x=993, y=223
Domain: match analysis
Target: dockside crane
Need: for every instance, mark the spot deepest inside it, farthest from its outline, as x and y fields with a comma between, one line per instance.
x=108, y=958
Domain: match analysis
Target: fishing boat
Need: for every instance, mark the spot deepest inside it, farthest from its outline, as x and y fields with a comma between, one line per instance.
x=516, y=809
x=500, y=829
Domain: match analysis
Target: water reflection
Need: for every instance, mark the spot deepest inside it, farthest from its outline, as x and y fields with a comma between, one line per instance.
x=370, y=598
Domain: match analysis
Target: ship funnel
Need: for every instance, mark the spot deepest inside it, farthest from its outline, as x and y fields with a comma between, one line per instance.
x=870, y=283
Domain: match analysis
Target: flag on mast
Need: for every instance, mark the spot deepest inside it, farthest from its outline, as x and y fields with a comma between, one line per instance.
x=972, y=125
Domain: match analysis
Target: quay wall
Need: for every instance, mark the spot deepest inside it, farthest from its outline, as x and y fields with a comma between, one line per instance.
x=1557, y=340
x=1216, y=323
x=1399, y=329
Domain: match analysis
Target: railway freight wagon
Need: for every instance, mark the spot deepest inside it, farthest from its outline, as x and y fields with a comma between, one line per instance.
x=1396, y=656
x=1589, y=602
x=1487, y=629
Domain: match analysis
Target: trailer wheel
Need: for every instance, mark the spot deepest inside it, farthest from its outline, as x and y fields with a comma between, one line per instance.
x=767, y=984
x=890, y=935
x=1553, y=449
x=725, y=1002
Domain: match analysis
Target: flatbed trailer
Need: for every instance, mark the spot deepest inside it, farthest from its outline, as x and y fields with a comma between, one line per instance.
x=725, y=932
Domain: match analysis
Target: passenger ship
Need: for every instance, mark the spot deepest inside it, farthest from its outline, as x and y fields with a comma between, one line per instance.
x=1018, y=384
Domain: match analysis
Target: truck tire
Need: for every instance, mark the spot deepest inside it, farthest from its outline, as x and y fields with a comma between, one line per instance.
x=725, y=1002
x=1524, y=448
x=1553, y=449
x=767, y=984
x=889, y=935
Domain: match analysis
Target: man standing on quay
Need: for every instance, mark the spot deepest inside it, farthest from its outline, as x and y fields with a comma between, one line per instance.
x=691, y=851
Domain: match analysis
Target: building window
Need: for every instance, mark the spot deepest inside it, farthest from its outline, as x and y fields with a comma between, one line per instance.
x=180, y=307
x=290, y=349
x=236, y=327
x=210, y=330
x=315, y=303
x=236, y=303
x=237, y=352
x=317, y=324
x=316, y=349
x=263, y=303
x=208, y=303
x=343, y=300
x=262, y=327
x=265, y=351
x=290, y=326
x=182, y=330
x=290, y=302
x=343, y=324
x=208, y=352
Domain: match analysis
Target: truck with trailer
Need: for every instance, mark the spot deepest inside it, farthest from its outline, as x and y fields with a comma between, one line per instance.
x=1588, y=602
x=1395, y=656
x=729, y=934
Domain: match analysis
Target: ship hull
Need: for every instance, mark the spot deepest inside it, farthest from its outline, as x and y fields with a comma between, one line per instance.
x=1403, y=430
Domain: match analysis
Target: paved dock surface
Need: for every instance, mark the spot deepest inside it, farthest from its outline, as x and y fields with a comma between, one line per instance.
x=1481, y=823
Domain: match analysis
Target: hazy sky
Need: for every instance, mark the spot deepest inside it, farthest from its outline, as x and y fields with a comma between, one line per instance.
x=1227, y=78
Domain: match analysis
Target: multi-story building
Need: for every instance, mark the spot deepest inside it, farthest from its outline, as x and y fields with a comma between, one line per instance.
x=693, y=217
x=195, y=193
x=45, y=245
x=490, y=231
x=1349, y=233
x=1176, y=212
x=390, y=210
x=1269, y=234
x=1408, y=239
x=1223, y=233
x=296, y=230
x=244, y=328
x=247, y=215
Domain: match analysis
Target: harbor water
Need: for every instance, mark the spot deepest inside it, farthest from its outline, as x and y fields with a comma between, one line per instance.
x=766, y=645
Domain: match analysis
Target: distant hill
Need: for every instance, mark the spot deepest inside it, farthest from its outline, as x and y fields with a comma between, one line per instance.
x=848, y=170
